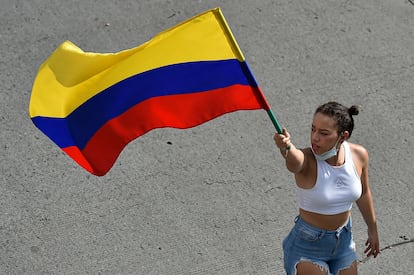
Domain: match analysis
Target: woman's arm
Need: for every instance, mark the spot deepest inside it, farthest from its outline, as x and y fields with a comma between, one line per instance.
x=294, y=157
x=366, y=206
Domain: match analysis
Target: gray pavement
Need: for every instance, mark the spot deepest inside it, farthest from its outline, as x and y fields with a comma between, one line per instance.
x=215, y=199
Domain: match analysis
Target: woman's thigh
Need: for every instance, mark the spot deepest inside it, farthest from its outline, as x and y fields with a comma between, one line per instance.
x=352, y=270
x=309, y=268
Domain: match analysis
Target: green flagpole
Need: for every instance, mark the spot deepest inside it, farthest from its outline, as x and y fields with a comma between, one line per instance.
x=275, y=122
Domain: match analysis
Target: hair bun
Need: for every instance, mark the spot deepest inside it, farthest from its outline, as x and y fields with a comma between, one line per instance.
x=354, y=110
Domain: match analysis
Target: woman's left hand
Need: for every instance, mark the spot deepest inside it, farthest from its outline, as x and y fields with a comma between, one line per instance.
x=372, y=244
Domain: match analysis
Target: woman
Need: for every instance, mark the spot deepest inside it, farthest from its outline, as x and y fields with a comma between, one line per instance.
x=330, y=175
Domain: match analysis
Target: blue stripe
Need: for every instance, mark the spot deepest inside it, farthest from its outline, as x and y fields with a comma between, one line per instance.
x=77, y=128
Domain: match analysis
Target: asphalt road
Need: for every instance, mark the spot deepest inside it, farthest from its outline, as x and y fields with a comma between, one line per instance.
x=215, y=199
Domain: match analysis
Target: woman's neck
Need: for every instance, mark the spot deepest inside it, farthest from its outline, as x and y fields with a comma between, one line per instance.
x=339, y=159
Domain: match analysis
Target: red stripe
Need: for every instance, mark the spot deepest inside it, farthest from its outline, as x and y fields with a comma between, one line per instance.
x=176, y=111
x=77, y=155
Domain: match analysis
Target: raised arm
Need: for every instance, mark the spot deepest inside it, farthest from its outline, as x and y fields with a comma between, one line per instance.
x=294, y=157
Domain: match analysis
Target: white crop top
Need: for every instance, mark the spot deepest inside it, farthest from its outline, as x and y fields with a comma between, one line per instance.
x=336, y=187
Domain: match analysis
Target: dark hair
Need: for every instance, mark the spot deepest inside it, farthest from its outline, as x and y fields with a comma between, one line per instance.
x=341, y=114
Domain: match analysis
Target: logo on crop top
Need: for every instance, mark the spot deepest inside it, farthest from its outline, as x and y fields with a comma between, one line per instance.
x=339, y=182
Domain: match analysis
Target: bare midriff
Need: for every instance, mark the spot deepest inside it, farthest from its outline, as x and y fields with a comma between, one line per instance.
x=326, y=222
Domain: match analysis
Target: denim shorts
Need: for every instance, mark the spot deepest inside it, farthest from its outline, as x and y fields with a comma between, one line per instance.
x=331, y=250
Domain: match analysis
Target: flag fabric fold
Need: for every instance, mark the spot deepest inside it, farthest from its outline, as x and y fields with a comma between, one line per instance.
x=93, y=104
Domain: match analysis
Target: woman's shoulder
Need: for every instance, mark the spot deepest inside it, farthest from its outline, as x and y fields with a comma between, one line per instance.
x=359, y=151
x=307, y=177
x=308, y=154
x=309, y=160
x=307, y=151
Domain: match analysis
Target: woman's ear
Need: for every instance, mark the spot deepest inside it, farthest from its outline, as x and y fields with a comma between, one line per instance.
x=344, y=135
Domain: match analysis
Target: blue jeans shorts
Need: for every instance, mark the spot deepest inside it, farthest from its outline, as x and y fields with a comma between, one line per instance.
x=330, y=250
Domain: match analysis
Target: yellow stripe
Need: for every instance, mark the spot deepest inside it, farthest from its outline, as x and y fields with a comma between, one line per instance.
x=70, y=76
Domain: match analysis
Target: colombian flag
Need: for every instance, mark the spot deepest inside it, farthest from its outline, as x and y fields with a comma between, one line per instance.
x=93, y=104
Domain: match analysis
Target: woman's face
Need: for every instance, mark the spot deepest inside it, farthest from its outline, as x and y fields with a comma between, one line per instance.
x=324, y=133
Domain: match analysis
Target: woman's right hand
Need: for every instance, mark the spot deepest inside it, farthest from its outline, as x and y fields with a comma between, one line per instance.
x=283, y=140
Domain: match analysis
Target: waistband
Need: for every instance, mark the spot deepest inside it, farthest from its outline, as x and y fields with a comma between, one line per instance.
x=347, y=226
